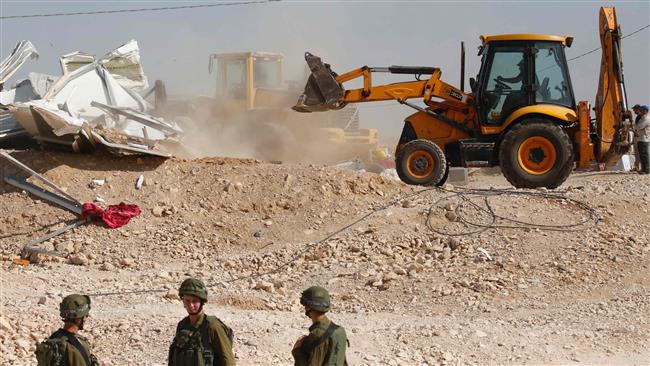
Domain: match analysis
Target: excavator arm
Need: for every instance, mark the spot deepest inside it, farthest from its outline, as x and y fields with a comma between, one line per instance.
x=325, y=91
x=613, y=124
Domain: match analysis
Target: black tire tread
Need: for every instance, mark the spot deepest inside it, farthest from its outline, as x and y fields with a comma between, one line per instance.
x=438, y=176
x=556, y=176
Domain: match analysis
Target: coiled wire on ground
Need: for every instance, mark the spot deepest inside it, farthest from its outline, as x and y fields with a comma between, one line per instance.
x=494, y=221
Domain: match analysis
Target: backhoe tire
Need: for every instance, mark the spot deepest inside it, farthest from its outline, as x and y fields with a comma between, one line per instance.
x=421, y=162
x=536, y=153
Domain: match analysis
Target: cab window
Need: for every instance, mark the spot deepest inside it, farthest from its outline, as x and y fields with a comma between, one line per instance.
x=232, y=78
x=266, y=72
x=504, y=84
x=551, y=81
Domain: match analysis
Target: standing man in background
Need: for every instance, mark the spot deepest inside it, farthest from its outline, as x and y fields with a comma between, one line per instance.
x=642, y=136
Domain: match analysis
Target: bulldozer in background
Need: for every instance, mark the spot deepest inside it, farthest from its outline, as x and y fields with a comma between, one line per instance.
x=520, y=115
x=253, y=98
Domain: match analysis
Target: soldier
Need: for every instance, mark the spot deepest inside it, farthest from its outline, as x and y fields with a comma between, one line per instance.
x=66, y=347
x=200, y=340
x=326, y=343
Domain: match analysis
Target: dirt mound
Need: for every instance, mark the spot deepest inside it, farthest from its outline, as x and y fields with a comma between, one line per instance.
x=406, y=291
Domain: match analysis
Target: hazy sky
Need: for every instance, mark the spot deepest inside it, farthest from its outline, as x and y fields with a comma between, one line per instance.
x=175, y=44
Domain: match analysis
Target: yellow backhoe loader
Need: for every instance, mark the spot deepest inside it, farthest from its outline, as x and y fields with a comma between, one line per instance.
x=520, y=115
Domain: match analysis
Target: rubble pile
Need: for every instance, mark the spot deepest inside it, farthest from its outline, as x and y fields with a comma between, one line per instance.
x=258, y=234
x=95, y=103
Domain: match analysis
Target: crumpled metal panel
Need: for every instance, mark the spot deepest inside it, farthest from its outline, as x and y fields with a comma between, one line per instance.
x=123, y=63
x=20, y=54
x=9, y=126
x=34, y=87
x=95, y=103
x=75, y=60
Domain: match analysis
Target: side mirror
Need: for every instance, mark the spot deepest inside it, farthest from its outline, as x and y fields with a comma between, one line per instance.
x=472, y=84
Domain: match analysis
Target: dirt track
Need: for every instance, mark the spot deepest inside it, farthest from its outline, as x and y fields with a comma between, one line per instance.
x=406, y=295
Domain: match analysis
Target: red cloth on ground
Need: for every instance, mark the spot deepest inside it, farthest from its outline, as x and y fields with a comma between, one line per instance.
x=114, y=216
x=90, y=210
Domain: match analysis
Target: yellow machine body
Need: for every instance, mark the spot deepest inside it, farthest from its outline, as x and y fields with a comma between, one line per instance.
x=521, y=113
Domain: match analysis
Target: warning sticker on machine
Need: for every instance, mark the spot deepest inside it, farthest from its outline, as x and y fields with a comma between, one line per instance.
x=456, y=95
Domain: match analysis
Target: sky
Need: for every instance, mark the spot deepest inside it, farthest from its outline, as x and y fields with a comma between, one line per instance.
x=175, y=44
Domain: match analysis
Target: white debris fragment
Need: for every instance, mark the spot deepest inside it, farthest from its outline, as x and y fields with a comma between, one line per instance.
x=20, y=54
x=485, y=253
x=96, y=183
x=139, y=182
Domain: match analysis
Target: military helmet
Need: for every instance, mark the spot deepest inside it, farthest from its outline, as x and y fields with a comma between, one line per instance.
x=316, y=298
x=74, y=306
x=193, y=287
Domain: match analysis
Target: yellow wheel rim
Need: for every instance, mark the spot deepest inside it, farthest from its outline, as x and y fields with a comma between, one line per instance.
x=420, y=164
x=536, y=155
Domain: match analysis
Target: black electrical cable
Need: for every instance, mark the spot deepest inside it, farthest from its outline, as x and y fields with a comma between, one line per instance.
x=296, y=256
x=596, y=49
x=133, y=10
x=465, y=195
x=592, y=215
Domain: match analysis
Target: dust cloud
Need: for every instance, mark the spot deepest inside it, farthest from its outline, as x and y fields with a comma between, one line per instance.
x=215, y=126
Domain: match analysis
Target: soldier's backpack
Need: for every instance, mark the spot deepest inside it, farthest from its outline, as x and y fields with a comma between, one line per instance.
x=211, y=320
x=193, y=348
x=51, y=352
x=309, y=348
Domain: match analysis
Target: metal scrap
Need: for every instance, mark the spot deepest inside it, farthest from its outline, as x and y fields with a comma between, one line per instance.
x=96, y=103
x=64, y=200
x=149, y=121
x=9, y=126
x=31, y=247
x=20, y=54
x=130, y=148
x=44, y=194
x=23, y=91
x=31, y=172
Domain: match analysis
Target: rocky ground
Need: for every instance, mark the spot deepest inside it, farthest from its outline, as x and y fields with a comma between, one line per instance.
x=572, y=290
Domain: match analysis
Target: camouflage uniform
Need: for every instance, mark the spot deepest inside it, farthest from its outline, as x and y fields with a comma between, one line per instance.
x=208, y=342
x=72, y=356
x=327, y=342
x=65, y=348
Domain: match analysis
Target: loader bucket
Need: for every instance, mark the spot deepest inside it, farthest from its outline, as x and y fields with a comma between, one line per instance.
x=322, y=91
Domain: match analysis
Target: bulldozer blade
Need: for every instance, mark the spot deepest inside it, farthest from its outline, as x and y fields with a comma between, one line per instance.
x=322, y=91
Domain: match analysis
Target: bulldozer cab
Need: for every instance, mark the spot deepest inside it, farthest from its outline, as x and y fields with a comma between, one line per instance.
x=240, y=75
x=519, y=71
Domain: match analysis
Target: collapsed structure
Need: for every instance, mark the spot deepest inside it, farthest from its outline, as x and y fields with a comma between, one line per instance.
x=101, y=103
x=95, y=103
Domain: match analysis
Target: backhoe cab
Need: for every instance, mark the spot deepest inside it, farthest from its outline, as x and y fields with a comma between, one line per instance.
x=521, y=113
x=253, y=80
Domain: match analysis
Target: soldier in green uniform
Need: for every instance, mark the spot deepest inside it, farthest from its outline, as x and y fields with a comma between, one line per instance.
x=200, y=340
x=66, y=347
x=326, y=343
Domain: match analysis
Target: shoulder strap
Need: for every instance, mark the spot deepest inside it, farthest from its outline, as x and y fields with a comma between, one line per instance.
x=205, y=333
x=74, y=342
x=205, y=330
x=208, y=352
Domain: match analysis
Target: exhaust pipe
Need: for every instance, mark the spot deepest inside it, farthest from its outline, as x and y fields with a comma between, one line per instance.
x=322, y=91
